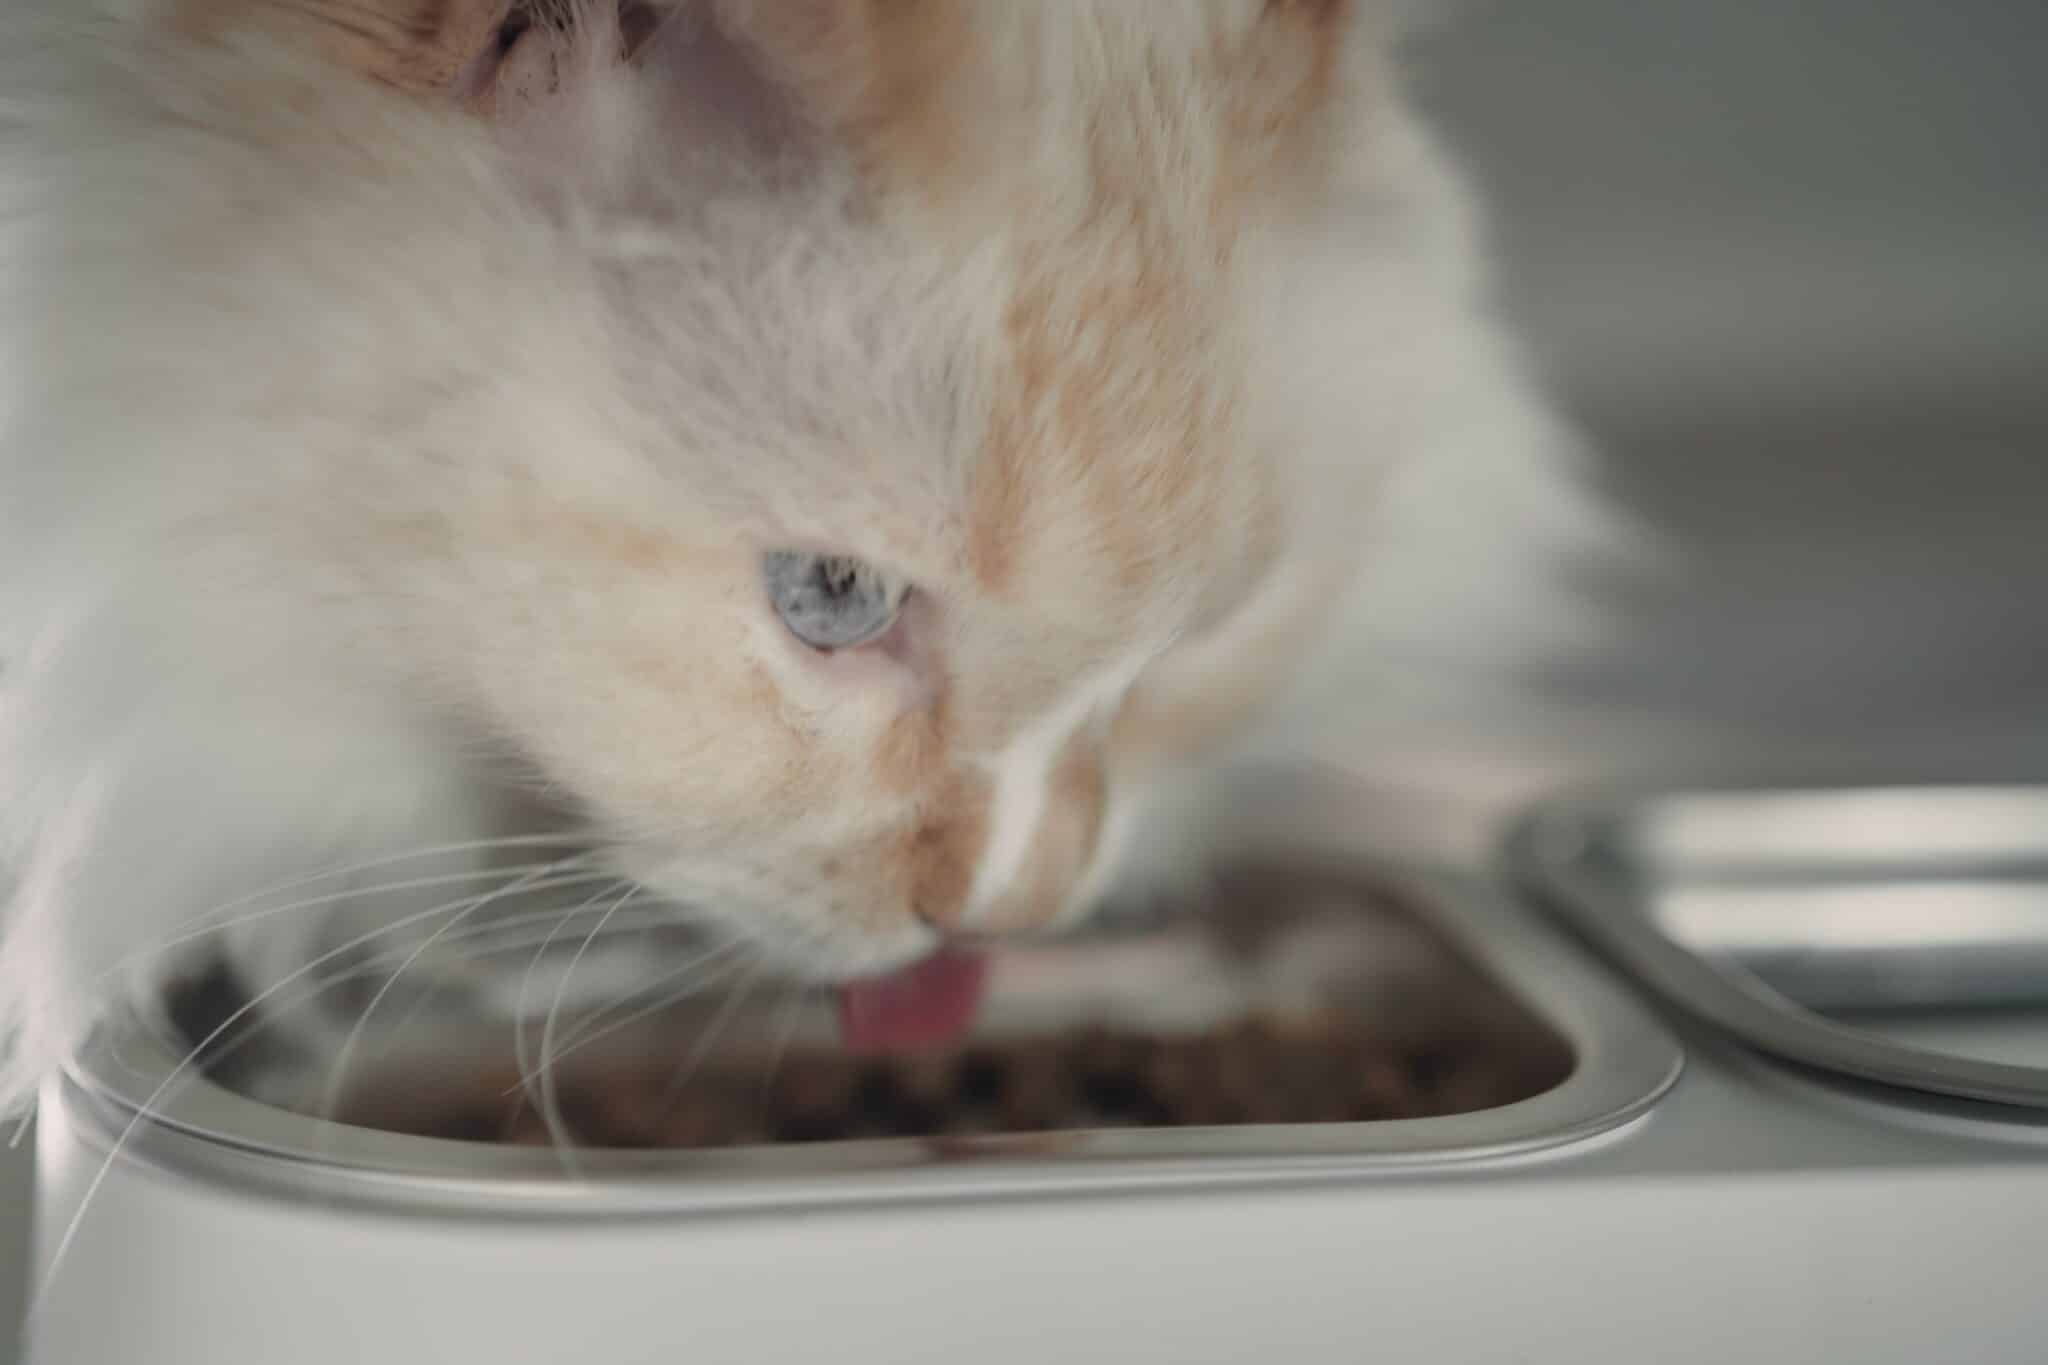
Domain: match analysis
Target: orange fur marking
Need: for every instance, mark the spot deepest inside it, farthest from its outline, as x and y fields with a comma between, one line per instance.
x=938, y=857
x=419, y=45
x=1099, y=438
x=912, y=751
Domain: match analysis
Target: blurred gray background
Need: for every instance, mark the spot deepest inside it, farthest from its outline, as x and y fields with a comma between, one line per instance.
x=1790, y=264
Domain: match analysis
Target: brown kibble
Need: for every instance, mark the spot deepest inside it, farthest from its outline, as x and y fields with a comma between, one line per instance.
x=1039, y=1093
x=982, y=1076
x=1475, y=1087
x=1383, y=1082
x=527, y=1129
x=700, y=1125
x=1428, y=1038
x=1305, y=1068
x=811, y=1087
x=1236, y=1077
x=627, y=1115
x=1170, y=1076
x=1101, y=1052
x=929, y=1079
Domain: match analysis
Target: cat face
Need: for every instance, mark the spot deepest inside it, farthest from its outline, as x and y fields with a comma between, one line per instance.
x=864, y=439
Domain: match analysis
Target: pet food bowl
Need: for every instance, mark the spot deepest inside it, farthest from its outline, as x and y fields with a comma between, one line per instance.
x=1352, y=1112
x=1327, y=1030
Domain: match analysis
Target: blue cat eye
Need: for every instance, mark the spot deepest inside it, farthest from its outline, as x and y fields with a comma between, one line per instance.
x=830, y=601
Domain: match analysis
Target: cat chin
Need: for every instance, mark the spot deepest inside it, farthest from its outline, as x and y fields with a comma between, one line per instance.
x=784, y=944
x=842, y=965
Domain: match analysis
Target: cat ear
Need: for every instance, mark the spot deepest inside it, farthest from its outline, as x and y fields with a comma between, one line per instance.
x=1296, y=60
x=872, y=76
x=419, y=45
x=926, y=93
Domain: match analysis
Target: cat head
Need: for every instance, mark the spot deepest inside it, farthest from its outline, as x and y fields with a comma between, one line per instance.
x=846, y=447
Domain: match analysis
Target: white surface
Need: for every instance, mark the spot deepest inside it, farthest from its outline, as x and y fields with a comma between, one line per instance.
x=1752, y=1216
x=1873, y=1264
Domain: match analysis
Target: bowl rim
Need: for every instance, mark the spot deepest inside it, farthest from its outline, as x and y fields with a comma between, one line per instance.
x=126, y=1093
x=1573, y=857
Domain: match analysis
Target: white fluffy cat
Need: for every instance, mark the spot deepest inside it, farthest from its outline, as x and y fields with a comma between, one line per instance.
x=839, y=457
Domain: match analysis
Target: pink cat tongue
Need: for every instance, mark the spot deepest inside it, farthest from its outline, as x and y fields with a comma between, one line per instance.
x=926, y=1004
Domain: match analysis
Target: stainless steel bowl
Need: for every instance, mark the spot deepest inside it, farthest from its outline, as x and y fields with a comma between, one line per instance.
x=1896, y=935
x=1439, y=959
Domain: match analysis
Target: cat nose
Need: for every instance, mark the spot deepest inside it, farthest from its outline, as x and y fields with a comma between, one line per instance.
x=991, y=867
x=948, y=919
x=959, y=922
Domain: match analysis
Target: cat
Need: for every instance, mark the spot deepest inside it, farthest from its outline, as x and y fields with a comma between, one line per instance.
x=863, y=471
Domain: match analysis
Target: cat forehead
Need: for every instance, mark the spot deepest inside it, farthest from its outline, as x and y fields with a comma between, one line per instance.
x=1123, y=154
x=1009, y=351
x=1112, y=452
x=1023, y=420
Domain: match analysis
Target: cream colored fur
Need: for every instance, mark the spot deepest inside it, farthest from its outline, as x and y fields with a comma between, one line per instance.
x=379, y=476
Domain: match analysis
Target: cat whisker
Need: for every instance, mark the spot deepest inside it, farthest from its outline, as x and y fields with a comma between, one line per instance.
x=499, y=935
x=521, y=1052
x=589, y=1032
x=551, y=1109
x=163, y=946
x=185, y=1069
x=510, y=933
x=690, y=974
x=735, y=995
x=558, y=916
x=338, y=1068
x=221, y=917
x=783, y=1032
x=392, y=859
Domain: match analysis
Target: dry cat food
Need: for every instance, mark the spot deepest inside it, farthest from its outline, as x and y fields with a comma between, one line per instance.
x=1301, y=999
x=1263, y=1071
